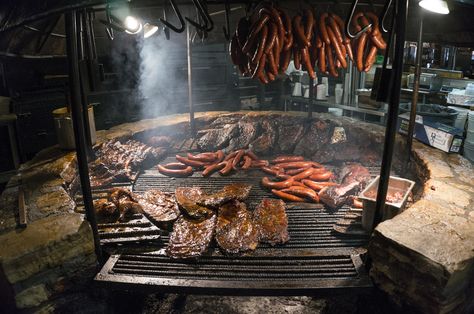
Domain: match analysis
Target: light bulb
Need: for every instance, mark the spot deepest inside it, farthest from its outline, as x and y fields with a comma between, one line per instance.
x=436, y=6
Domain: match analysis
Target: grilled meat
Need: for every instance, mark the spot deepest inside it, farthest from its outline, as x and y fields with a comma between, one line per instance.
x=119, y=162
x=160, y=207
x=355, y=173
x=106, y=211
x=336, y=196
x=160, y=141
x=354, y=178
x=190, y=238
x=187, y=200
x=271, y=221
x=126, y=201
x=235, y=229
x=236, y=191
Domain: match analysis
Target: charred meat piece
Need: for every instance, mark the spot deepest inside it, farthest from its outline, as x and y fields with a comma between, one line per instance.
x=106, y=211
x=235, y=230
x=187, y=200
x=355, y=173
x=354, y=178
x=190, y=238
x=128, y=209
x=160, y=207
x=236, y=191
x=126, y=201
x=336, y=196
x=272, y=222
x=118, y=195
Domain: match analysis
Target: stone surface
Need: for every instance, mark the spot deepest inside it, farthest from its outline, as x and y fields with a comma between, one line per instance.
x=422, y=257
x=46, y=243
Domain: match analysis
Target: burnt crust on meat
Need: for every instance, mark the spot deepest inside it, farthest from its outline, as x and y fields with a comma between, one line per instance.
x=236, y=191
x=187, y=201
x=235, y=230
x=272, y=222
x=160, y=207
x=190, y=238
x=106, y=211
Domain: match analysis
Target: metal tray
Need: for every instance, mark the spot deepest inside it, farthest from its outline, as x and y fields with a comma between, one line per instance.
x=395, y=184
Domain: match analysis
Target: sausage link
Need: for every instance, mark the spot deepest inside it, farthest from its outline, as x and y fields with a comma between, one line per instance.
x=266, y=182
x=322, y=58
x=227, y=167
x=220, y=155
x=261, y=45
x=257, y=27
x=292, y=172
x=323, y=28
x=175, y=165
x=247, y=162
x=297, y=164
x=335, y=28
x=321, y=176
x=360, y=52
x=302, y=191
x=203, y=157
x=260, y=163
x=271, y=63
x=288, y=197
x=212, y=168
x=272, y=35
x=276, y=53
x=231, y=155
x=297, y=57
x=299, y=31
x=186, y=172
x=317, y=186
x=192, y=163
x=238, y=158
x=271, y=170
x=357, y=203
x=260, y=68
x=369, y=61
x=309, y=25
x=304, y=174
x=271, y=77
x=307, y=62
x=337, y=47
x=262, y=77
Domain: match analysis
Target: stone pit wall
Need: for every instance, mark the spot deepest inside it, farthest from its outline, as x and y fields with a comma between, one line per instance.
x=422, y=258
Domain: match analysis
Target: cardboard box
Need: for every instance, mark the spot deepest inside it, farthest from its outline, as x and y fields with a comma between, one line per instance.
x=447, y=138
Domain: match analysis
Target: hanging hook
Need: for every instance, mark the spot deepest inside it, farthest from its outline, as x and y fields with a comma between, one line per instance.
x=383, y=15
x=109, y=30
x=202, y=14
x=180, y=17
x=349, y=20
x=207, y=16
x=226, y=28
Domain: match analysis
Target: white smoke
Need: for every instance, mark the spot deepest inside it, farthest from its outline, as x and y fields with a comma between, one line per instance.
x=161, y=62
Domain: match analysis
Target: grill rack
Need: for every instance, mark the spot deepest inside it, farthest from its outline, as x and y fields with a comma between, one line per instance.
x=316, y=259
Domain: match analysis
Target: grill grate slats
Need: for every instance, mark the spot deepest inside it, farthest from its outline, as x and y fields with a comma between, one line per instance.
x=307, y=260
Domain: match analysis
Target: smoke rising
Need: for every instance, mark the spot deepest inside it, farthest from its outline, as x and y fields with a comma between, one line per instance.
x=160, y=75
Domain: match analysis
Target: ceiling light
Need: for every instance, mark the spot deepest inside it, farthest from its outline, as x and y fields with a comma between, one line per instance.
x=132, y=25
x=436, y=6
x=149, y=29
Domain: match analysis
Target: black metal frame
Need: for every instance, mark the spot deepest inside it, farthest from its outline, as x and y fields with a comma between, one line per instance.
x=77, y=106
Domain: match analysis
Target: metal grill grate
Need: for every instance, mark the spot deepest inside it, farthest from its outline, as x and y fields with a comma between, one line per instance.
x=315, y=259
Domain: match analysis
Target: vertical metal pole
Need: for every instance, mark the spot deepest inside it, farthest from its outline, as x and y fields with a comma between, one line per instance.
x=311, y=96
x=416, y=86
x=78, y=124
x=394, y=102
x=190, y=82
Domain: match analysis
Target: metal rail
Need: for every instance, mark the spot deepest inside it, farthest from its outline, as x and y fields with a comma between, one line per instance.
x=78, y=125
x=391, y=128
x=416, y=87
